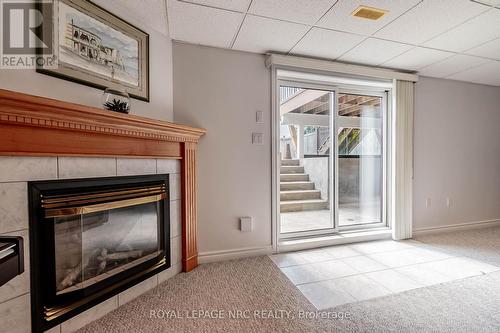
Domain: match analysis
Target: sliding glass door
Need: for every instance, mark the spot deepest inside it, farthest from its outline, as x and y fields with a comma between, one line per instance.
x=332, y=162
x=360, y=158
x=306, y=160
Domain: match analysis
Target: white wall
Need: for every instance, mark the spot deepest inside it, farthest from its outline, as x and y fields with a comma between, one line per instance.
x=160, y=105
x=221, y=90
x=457, y=146
x=457, y=152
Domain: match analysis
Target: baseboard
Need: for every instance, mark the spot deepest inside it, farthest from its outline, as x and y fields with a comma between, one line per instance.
x=456, y=227
x=214, y=256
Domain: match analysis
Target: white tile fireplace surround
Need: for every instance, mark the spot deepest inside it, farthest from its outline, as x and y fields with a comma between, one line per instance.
x=15, y=172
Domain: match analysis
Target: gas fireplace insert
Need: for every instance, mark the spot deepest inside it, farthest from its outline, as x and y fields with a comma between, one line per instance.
x=93, y=238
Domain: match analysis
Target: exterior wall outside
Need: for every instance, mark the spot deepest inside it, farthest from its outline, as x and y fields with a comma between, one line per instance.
x=15, y=172
x=359, y=179
x=319, y=172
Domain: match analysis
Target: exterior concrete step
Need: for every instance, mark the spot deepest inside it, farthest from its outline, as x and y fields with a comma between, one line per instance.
x=302, y=205
x=294, y=177
x=295, y=186
x=290, y=162
x=300, y=195
x=291, y=169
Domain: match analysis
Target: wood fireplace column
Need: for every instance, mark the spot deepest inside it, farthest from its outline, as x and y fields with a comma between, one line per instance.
x=189, y=207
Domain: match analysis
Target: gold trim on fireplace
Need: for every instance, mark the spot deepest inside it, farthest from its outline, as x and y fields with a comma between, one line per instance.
x=55, y=201
x=59, y=212
x=51, y=313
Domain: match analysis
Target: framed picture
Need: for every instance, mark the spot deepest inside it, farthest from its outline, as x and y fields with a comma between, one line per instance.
x=96, y=48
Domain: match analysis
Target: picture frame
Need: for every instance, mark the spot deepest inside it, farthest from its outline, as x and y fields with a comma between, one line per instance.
x=96, y=48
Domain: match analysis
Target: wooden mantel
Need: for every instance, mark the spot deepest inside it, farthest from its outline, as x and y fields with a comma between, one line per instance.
x=38, y=126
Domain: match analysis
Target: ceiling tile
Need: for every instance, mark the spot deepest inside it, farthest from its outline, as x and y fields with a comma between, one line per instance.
x=452, y=65
x=262, y=35
x=488, y=50
x=374, y=51
x=476, y=31
x=151, y=13
x=488, y=73
x=417, y=58
x=237, y=5
x=324, y=43
x=340, y=18
x=430, y=18
x=202, y=25
x=307, y=12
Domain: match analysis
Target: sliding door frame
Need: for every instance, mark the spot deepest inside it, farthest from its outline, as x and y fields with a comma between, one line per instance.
x=276, y=158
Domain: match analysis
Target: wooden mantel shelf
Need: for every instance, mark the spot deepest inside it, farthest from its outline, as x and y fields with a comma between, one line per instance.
x=38, y=126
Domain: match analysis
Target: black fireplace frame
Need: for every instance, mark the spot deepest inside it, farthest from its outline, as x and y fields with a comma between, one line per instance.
x=42, y=256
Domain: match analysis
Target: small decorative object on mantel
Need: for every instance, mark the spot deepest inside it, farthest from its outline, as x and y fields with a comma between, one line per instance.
x=96, y=48
x=116, y=100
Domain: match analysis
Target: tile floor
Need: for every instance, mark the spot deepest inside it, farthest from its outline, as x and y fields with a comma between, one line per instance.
x=342, y=274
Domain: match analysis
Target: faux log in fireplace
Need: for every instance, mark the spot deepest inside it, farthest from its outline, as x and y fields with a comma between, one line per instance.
x=93, y=238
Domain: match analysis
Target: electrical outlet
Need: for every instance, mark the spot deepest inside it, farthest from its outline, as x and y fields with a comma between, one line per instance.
x=448, y=202
x=259, y=117
x=428, y=202
x=246, y=224
x=257, y=138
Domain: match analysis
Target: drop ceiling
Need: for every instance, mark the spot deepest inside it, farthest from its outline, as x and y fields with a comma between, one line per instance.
x=454, y=39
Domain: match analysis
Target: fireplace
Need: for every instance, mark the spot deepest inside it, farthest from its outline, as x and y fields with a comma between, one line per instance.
x=93, y=238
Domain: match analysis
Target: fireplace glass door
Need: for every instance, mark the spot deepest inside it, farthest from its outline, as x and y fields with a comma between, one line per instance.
x=94, y=246
x=93, y=238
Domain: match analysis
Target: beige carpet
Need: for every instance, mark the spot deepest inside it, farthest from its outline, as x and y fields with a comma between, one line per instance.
x=480, y=244
x=469, y=305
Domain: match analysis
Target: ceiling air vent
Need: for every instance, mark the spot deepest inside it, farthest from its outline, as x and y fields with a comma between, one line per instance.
x=369, y=13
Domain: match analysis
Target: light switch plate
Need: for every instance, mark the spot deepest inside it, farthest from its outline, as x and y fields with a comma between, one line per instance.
x=258, y=138
x=259, y=117
x=246, y=224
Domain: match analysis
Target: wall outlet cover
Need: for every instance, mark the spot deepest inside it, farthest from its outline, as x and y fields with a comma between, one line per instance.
x=259, y=117
x=246, y=224
x=258, y=138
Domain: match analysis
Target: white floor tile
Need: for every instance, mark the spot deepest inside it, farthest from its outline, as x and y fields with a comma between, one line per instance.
x=300, y=257
x=303, y=273
x=288, y=259
x=341, y=251
x=334, y=269
x=317, y=255
x=363, y=264
x=408, y=257
x=361, y=287
x=423, y=274
x=325, y=294
x=393, y=280
x=394, y=258
x=372, y=269
x=380, y=246
x=315, y=272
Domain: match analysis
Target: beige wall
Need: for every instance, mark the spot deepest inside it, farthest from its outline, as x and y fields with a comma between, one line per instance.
x=457, y=152
x=221, y=90
x=160, y=105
